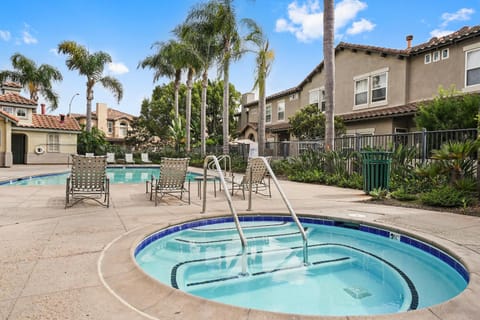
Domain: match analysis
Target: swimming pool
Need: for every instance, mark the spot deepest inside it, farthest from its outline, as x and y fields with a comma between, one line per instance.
x=117, y=175
x=355, y=269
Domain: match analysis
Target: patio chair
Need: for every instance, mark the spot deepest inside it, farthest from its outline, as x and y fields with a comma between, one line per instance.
x=88, y=180
x=110, y=157
x=173, y=172
x=129, y=158
x=256, y=172
x=89, y=154
x=145, y=158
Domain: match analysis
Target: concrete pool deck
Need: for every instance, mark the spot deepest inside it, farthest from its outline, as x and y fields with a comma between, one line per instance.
x=75, y=263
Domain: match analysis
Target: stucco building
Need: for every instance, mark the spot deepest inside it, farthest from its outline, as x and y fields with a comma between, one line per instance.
x=377, y=90
x=27, y=137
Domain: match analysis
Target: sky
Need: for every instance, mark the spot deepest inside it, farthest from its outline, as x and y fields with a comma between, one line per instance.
x=128, y=29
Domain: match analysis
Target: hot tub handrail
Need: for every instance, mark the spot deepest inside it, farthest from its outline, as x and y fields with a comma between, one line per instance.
x=206, y=163
x=290, y=209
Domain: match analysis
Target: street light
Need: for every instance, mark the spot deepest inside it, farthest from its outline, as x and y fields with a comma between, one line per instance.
x=70, y=104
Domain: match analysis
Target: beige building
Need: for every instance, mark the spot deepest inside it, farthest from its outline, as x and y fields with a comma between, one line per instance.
x=30, y=138
x=115, y=124
x=377, y=90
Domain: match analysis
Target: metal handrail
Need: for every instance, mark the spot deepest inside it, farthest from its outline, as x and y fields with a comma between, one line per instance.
x=289, y=207
x=243, y=240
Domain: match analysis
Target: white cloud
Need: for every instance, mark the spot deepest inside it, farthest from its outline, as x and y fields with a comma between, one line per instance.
x=305, y=20
x=360, y=26
x=54, y=52
x=463, y=14
x=117, y=68
x=440, y=33
x=5, y=35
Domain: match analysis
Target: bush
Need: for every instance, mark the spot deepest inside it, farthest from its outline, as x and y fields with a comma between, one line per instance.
x=446, y=196
x=402, y=195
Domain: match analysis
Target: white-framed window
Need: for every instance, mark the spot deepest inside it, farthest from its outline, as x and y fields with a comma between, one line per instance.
x=110, y=127
x=21, y=112
x=268, y=113
x=281, y=110
x=314, y=96
x=8, y=110
x=323, y=102
x=445, y=53
x=53, y=143
x=123, y=129
x=428, y=58
x=472, y=67
x=361, y=92
x=371, y=89
x=436, y=56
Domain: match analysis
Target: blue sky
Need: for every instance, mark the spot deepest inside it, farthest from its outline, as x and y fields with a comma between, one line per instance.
x=127, y=30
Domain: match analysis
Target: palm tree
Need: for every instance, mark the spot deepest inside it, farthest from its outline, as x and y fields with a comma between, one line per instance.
x=329, y=63
x=219, y=17
x=264, y=59
x=201, y=37
x=90, y=65
x=37, y=80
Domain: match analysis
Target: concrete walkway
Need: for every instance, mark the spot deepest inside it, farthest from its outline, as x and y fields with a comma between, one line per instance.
x=75, y=263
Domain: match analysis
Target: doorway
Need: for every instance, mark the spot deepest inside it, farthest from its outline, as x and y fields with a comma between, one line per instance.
x=18, y=148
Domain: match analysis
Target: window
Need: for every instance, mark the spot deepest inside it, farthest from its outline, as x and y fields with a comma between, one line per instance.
x=436, y=56
x=473, y=67
x=317, y=96
x=371, y=88
x=361, y=92
x=281, y=110
x=445, y=54
x=110, y=126
x=379, y=87
x=53, y=144
x=123, y=129
x=322, y=100
x=293, y=96
x=8, y=110
x=268, y=113
x=428, y=58
x=21, y=112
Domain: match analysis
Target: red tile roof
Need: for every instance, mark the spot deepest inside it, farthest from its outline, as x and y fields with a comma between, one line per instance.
x=12, y=97
x=12, y=84
x=112, y=114
x=46, y=121
x=463, y=33
x=407, y=109
x=360, y=47
x=9, y=116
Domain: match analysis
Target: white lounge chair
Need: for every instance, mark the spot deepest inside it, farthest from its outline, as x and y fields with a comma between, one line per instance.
x=257, y=171
x=110, y=157
x=89, y=154
x=129, y=158
x=173, y=172
x=145, y=158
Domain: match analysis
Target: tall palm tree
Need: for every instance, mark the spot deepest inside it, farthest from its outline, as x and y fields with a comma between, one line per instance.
x=329, y=63
x=264, y=59
x=201, y=37
x=36, y=80
x=90, y=65
x=221, y=17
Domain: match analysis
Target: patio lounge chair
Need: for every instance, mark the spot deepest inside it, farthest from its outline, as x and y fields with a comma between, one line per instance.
x=88, y=180
x=89, y=154
x=173, y=172
x=110, y=157
x=145, y=158
x=256, y=171
x=129, y=158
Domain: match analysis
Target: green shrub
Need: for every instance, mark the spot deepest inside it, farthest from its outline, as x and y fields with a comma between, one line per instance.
x=403, y=195
x=378, y=193
x=446, y=196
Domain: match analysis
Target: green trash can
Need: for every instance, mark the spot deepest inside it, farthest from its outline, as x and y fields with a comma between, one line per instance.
x=376, y=169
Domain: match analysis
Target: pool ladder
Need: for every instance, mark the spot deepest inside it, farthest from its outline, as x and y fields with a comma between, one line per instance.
x=212, y=162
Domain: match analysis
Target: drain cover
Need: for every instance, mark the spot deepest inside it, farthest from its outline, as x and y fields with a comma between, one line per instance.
x=357, y=293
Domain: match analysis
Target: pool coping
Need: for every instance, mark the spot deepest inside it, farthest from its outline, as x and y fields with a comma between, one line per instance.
x=122, y=277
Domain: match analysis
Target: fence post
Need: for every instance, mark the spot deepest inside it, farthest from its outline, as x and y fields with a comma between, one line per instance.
x=424, y=145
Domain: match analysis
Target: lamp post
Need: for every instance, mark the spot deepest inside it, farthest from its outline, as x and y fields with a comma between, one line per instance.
x=70, y=104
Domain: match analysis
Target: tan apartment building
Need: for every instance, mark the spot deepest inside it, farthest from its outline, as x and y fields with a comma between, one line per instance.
x=27, y=137
x=115, y=124
x=377, y=90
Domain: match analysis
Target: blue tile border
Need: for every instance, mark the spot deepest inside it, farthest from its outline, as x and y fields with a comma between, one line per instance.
x=443, y=256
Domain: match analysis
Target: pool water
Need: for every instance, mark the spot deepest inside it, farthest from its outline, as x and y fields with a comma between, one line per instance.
x=350, y=272
x=117, y=175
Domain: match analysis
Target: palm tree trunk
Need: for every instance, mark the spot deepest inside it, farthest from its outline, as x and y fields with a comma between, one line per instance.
x=203, y=113
x=226, y=94
x=329, y=62
x=88, y=126
x=188, y=111
x=261, y=118
x=176, y=89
